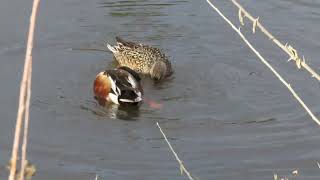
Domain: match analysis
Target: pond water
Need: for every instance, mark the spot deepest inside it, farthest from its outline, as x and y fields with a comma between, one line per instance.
x=224, y=112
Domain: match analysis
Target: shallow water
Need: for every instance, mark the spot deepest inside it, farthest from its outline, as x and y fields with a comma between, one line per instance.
x=225, y=114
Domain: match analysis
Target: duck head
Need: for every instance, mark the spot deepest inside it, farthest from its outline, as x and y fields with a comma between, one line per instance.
x=158, y=71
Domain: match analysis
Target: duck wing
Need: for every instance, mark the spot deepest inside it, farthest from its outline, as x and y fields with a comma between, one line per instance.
x=126, y=43
x=123, y=80
x=132, y=72
x=127, y=84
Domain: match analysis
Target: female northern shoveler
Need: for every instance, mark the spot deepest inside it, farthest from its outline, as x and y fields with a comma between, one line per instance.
x=141, y=58
x=119, y=86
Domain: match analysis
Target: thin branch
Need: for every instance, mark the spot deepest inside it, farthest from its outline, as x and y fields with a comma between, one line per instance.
x=23, y=91
x=182, y=167
x=266, y=63
x=26, y=128
x=300, y=62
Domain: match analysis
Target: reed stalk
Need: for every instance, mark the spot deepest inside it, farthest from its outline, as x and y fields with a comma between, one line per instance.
x=24, y=100
x=182, y=167
x=293, y=54
x=26, y=128
x=264, y=61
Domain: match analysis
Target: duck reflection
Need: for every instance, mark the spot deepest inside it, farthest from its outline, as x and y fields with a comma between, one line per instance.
x=125, y=112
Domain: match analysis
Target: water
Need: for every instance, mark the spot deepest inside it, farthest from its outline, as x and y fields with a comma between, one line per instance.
x=225, y=114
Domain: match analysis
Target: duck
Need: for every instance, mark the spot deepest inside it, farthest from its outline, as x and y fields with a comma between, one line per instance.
x=118, y=86
x=142, y=58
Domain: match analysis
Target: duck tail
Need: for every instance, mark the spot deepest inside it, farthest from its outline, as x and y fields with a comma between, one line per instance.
x=158, y=70
x=130, y=96
x=113, y=49
x=124, y=42
x=120, y=40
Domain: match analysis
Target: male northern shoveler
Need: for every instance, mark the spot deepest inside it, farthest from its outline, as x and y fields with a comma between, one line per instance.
x=142, y=58
x=120, y=86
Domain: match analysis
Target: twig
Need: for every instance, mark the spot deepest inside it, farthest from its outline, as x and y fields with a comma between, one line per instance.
x=300, y=62
x=26, y=128
x=24, y=90
x=182, y=167
x=266, y=63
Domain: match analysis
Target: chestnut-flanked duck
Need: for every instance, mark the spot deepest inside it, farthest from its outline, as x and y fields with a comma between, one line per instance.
x=119, y=86
x=142, y=58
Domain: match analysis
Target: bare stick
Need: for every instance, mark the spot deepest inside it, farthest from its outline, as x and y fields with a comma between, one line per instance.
x=182, y=168
x=300, y=62
x=23, y=90
x=266, y=63
x=26, y=128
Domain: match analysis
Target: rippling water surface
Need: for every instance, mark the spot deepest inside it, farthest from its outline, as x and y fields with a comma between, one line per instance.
x=225, y=114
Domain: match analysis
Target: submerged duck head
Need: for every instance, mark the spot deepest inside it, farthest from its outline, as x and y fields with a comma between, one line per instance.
x=158, y=71
x=119, y=86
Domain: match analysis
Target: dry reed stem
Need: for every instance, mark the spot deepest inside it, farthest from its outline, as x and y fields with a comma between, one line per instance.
x=266, y=63
x=182, y=167
x=25, y=89
x=293, y=54
x=26, y=127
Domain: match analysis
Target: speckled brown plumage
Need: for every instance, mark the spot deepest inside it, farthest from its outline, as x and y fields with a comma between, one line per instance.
x=142, y=58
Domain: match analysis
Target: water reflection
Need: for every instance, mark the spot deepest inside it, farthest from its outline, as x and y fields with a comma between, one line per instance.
x=123, y=112
x=113, y=111
x=134, y=8
x=147, y=16
x=137, y=7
